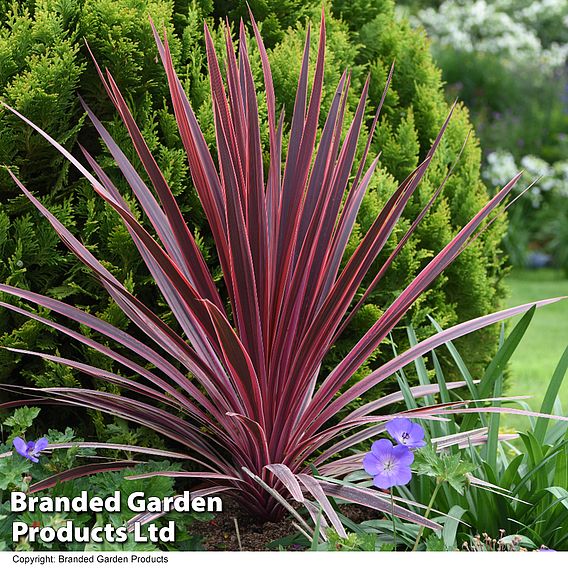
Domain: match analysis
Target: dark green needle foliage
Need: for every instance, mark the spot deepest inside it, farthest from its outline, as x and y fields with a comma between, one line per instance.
x=44, y=66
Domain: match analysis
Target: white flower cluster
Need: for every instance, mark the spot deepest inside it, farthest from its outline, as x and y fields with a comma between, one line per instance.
x=501, y=167
x=507, y=28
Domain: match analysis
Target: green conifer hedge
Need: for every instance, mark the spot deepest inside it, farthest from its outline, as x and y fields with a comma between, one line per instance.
x=44, y=65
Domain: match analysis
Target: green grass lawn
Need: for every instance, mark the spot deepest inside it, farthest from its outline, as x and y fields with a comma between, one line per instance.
x=536, y=357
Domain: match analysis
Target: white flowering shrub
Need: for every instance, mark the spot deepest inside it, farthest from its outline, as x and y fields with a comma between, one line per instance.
x=540, y=219
x=544, y=178
x=508, y=61
x=498, y=163
x=517, y=31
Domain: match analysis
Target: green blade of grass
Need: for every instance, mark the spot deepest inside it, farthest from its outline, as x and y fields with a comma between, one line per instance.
x=451, y=526
x=462, y=367
x=499, y=362
x=447, y=427
x=409, y=400
x=494, y=419
x=550, y=396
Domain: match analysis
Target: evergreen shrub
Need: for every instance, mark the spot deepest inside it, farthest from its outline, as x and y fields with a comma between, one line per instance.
x=44, y=66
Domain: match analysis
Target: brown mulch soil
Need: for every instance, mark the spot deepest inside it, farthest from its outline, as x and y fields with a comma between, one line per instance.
x=358, y=514
x=221, y=533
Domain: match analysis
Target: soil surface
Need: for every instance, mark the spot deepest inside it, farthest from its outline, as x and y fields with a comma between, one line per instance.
x=221, y=532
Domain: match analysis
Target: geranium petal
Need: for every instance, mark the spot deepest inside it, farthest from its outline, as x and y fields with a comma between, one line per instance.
x=402, y=455
x=401, y=475
x=383, y=480
x=371, y=464
x=382, y=449
x=20, y=445
x=416, y=434
x=397, y=427
x=41, y=444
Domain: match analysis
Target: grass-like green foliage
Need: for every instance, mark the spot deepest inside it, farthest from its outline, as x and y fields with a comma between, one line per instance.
x=517, y=485
x=478, y=477
x=239, y=386
x=45, y=86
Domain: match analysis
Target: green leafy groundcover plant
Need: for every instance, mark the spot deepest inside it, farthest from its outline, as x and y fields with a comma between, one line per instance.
x=43, y=479
x=245, y=401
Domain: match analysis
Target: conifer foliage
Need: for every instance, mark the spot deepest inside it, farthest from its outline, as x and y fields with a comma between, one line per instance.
x=47, y=65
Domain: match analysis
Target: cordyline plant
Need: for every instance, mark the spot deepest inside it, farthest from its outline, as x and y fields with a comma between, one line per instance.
x=243, y=394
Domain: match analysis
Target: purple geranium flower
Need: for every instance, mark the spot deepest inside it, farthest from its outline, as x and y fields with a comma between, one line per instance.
x=406, y=432
x=389, y=465
x=30, y=450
